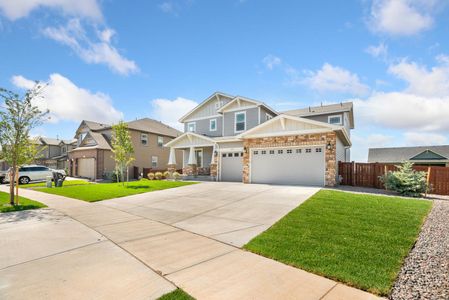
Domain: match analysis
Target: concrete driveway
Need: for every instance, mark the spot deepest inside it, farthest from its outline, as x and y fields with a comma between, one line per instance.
x=233, y=213
x=143, y=246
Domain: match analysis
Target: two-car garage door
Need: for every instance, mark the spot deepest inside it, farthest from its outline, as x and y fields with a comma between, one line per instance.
x=295, y=166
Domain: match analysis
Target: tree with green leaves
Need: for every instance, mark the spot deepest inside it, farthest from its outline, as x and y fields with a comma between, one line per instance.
x=18, y=116
x=406, y=181
x=123, y=149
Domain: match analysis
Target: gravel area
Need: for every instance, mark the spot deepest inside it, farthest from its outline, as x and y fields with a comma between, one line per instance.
x=425, y=273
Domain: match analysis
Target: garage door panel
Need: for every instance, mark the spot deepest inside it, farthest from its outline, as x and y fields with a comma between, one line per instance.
x=295, y=166
x=232, y=166
x=86, y=167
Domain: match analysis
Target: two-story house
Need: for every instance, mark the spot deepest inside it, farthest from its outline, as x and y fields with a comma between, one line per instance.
x=233, y=138
x=93, y=158
x=53, y=152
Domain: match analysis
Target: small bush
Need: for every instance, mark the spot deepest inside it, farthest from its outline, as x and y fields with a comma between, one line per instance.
x=158, y=175
x=167, y=175
x=406, y=181
x=176, y=175
x=150, y=176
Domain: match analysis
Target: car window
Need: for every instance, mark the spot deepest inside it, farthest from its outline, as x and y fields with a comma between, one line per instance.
x=23, y=169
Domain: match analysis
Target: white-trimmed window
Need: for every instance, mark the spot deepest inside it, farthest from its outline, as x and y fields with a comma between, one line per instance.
x=160, y=141
x=268, y=117
x=335, y=120
x=154, y=161
x=144, y=139
x=240, y=121
x=191, y=127
x=213, y=125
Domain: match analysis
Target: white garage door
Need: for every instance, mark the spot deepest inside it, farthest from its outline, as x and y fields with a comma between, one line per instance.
x=232, y=166
x=295, y=166
x=86, y=167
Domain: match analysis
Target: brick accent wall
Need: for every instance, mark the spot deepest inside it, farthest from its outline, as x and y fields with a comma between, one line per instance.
x=190, y=170
x=296, y=140
x=171, y=168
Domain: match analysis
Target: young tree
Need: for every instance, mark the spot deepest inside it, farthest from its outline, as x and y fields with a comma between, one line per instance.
x=122, y=147
x=18, y=116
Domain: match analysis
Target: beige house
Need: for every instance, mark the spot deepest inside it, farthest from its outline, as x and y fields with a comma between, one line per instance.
x=53, y=153
x=92, y=158
x=234, y=138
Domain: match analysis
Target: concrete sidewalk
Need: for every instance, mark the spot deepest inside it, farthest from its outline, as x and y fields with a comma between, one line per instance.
x=113, y=251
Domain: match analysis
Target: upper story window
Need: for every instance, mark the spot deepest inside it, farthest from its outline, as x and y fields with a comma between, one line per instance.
x=160, y=141
x=240, y=121
x=213, y=125
x=64, y=149
x=268, y=117
x=191, y=127
x=144, y=139
x=336, y=120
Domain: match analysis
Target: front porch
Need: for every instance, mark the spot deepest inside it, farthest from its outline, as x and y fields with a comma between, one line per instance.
x=199, y=156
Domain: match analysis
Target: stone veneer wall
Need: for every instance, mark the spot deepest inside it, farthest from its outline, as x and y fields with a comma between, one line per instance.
x=296, y=140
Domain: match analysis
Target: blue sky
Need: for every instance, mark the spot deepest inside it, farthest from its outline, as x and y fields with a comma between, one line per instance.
x=110, y=60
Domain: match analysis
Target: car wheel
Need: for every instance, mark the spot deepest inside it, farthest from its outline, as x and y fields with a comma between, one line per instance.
x=24, y=180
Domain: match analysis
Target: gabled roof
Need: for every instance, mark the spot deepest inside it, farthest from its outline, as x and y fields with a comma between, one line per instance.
x=324, y=109
x=49, y=141
x=203, y=103
x=101, y=141
x=153, y=126
x=95, y=125
x=239, y=99
x=289, y=125
x=190, y=139
x=428, y=155
x=400, y=154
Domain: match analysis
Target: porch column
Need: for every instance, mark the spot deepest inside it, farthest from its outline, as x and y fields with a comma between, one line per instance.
x=214, y=163
x=192, y=164
x=171, y=167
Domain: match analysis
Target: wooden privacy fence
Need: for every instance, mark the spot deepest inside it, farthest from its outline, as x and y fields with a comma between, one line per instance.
x=367, y=175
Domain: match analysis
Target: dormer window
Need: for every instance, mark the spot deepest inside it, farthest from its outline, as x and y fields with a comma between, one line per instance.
x=191, y=127
x=240, y=121
x=335, y=120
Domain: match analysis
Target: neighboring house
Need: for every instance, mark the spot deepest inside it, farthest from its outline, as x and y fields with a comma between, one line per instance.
x=233, y=138
x=93, y=158
x=422, y=155
x=53, y=152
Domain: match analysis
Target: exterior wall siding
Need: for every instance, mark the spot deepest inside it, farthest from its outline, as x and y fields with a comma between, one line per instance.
x=264, y=113
x=296, y=140
x=203, y=126
x=209, y=108
x=252, y=120
x=324, y=118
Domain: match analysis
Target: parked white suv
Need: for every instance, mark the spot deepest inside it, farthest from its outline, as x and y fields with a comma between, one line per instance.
x=33, y=173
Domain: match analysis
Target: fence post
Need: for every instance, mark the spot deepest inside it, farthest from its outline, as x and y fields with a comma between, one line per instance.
x=428, y=179
x=385, y=176
x=353, y=173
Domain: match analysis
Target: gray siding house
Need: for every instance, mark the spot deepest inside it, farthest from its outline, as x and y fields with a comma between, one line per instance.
x=234, y=138
x=421, y=155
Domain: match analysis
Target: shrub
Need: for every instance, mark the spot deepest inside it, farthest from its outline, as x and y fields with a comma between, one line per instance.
x=167, y=175
x=176, y=175
x=151, y=176
x=406, y=181
x=158, y=175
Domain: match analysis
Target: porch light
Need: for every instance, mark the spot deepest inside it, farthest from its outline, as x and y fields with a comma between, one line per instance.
x=329, y=146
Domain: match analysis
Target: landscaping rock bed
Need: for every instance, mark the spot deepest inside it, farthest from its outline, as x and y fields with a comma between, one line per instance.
x=425, y=273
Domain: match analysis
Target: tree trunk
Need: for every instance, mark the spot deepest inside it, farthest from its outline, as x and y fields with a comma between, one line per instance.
x=12, y=175
x=17, y=186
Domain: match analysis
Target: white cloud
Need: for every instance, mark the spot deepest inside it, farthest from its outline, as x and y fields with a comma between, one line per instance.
x=335, y=79
x=170, y=111
x=270, y=61
x=167, y=7
x=16, y=9
x=424, y=139
x=66, y=101
x=379, y=51
x=422, y=81
x=402, y=110
x=401, y=17
x=361, y=144
x=95, y=51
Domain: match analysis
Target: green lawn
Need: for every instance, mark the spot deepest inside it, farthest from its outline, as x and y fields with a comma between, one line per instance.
x=24, y=204
x=357, y=239
x=103, y=191
x=177, y=294
x=66, y=183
